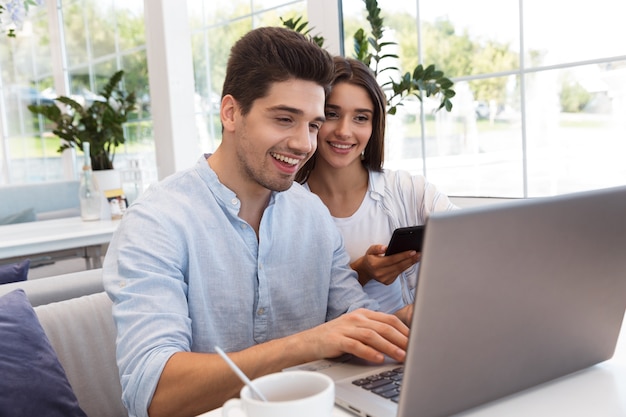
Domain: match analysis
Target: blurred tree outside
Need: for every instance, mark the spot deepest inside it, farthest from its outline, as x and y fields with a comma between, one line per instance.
x=574, y=97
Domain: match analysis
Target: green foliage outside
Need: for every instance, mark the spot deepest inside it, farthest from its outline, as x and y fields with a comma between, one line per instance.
x=574, y=97
x=451, y=51
x=372, y=49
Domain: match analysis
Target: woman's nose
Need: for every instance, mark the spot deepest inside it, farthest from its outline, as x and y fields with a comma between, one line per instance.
x=342, y=129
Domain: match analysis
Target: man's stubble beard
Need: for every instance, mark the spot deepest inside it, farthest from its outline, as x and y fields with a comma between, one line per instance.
x=259, y=174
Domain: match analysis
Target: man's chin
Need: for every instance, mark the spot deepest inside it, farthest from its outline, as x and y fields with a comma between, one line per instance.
x=282, y=185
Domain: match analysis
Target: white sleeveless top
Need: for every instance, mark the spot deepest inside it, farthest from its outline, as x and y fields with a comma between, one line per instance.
x=370, y=226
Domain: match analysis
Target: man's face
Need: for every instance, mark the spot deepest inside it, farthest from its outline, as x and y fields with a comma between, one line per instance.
x=279, y=133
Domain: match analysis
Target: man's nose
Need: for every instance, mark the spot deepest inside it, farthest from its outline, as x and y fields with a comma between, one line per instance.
x=305, y=140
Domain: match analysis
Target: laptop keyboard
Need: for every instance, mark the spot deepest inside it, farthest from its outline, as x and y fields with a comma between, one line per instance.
x=386, y=384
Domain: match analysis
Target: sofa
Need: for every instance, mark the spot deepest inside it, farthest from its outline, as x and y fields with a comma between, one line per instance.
x=75, y=314
x=39, y=201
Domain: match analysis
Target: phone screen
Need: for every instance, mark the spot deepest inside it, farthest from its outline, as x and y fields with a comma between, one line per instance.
x=406, y=238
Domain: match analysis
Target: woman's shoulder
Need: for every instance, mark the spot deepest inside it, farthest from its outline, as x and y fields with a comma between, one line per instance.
x=397, y=180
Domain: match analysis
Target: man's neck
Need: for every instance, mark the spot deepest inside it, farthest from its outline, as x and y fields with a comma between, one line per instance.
x=253, y=199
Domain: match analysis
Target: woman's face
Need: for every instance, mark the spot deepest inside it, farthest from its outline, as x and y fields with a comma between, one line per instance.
x=344, y=135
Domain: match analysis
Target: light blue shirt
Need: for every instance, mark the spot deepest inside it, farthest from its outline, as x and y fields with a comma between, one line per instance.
x=185, y=273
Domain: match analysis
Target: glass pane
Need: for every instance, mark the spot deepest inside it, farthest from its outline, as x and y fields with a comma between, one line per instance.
x=476, y=149
x=26, y=79
x=576, y=128
x=135, y=79
x=221, y=12
x=130, y=24
x=210, y=55
x=207, y=98
x=462, y=39
x=272, y=17
x=102, y=73
x=195, y=10
x=75, y=28
x=80, y=85
x=101, y=27
x=138, y=152
x=220, y=40
x=259, y=5
x=563, y=31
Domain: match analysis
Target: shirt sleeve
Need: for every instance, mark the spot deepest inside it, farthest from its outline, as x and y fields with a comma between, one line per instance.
x=142, y=273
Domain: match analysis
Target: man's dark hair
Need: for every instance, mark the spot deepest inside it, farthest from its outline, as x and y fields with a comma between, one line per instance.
x=269, y=55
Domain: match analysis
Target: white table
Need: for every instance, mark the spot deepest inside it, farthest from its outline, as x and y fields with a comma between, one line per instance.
x=56, y=239
x=598, y=391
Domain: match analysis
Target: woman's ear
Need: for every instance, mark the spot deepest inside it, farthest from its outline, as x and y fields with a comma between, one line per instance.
x=228, y=112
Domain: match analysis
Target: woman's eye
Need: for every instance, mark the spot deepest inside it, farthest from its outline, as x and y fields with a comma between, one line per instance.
x=331, y=115
x=362, y=118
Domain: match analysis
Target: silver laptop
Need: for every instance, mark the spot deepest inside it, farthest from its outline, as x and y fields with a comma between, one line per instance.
x=510, y=296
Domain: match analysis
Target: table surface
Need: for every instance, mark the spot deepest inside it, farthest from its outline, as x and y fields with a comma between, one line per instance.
x=598, y=391
x=43, y=236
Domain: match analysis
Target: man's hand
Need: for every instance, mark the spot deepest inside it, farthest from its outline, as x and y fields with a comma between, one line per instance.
x=384, y=269
x=363, y=333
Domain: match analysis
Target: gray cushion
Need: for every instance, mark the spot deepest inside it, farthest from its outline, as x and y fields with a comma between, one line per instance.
x=58, y=288
x=82, y=332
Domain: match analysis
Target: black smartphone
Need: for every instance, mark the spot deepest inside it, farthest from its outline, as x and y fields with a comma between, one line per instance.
x=406, y=238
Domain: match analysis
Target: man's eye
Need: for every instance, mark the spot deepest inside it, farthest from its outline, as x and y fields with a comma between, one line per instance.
x=315, y=126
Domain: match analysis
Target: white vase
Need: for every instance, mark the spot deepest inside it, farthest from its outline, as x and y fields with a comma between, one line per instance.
x=108, y=179
x=110, y=184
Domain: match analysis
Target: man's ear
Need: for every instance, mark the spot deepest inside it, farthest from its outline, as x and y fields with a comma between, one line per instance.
x=228, y=111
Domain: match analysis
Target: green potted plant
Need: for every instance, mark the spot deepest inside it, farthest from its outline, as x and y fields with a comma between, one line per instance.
x=370, y=49
x=101, y=123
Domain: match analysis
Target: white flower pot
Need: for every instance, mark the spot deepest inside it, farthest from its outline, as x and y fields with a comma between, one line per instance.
x=110, y=184
x=108, y=179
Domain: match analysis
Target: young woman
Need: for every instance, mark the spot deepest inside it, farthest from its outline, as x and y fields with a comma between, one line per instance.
x=366, y=201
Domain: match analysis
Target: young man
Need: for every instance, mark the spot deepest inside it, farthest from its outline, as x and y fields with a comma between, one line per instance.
x=230, y=253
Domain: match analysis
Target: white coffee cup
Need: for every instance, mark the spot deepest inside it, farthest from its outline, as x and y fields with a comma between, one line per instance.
x=289, y=394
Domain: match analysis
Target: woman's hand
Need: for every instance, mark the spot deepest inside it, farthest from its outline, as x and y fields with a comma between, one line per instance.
x=374, y=265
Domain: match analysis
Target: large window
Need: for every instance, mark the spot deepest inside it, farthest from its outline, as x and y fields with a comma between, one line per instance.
x=97, y=39
x=541, y=85
x=541, y=94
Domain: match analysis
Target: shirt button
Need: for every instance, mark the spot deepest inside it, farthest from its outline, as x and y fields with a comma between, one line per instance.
x=260, y=311
x=234, y=201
